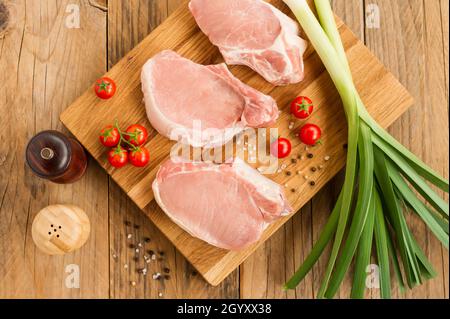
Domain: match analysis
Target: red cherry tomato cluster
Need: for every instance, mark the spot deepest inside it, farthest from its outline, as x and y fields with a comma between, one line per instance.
x=126, y=146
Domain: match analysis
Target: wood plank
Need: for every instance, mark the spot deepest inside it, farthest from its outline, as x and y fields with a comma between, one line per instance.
x=179, y=32
x=44, y=66
x=410, y=42
x=445, y=37
x=291, y=244
x=123, y=35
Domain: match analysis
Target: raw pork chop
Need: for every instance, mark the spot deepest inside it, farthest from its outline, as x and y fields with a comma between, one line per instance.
x=178, y=92
x=227, y=205
x=253, y=33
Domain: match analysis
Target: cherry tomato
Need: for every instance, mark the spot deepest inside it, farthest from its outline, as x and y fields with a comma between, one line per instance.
x=109, y=136
x=302, y=107
x=310, y=134
x=281, y=148
x=139, y=157
x=136, y=135
x=118, y=157
x=105, y=88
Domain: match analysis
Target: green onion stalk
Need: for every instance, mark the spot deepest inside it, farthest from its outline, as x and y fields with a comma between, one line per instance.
x=383, y=182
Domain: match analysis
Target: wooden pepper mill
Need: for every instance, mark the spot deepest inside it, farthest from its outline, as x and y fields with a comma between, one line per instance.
x=60, y=229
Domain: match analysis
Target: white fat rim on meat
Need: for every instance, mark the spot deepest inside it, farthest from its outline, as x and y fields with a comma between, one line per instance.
x=263, y=185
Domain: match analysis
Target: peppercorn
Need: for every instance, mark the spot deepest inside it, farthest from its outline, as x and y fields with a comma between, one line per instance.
x=293, y=161
x=313, y=169
x=312, y=183
x=147, y=239
x=310, y=155
x=127, y=223
x=166, y=270
x=288, y=173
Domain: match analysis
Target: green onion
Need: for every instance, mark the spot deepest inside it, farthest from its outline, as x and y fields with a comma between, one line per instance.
x=381, y=172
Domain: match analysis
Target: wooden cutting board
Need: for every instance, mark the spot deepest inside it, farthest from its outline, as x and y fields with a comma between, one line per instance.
x=385, y=98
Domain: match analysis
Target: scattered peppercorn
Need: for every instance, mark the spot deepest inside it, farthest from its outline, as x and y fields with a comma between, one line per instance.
x=166, y=270
x=147, y=239
x=150, y=252
x=136, y=226
x=161, y=253
x=293, y=161
x=293, y=190
x=313, y=169
x=288, y=173
x=299, y=156
x=312, y=183
x=127, y=223
x=310, y=155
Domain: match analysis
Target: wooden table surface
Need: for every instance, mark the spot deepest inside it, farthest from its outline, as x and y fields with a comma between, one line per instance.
x=45, y=65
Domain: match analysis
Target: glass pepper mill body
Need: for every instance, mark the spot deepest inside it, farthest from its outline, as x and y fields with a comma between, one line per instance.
x=54, y=156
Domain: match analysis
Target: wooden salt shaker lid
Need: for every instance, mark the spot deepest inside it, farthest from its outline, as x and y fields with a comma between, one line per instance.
x=60, y=229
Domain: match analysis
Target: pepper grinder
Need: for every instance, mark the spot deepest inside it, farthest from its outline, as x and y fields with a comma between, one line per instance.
x=60, y=229
x=54, y=156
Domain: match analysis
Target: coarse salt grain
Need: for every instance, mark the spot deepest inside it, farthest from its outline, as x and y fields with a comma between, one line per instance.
x=156, y=275
x=129, y=236
x=327, y=158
